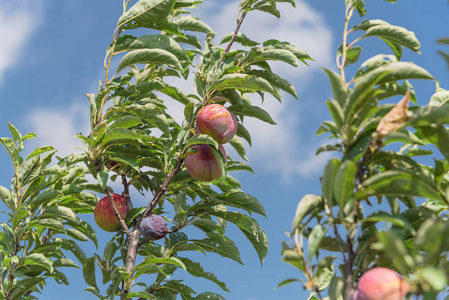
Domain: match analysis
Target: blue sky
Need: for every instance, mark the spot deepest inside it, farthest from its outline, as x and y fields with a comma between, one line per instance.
x=52, y=54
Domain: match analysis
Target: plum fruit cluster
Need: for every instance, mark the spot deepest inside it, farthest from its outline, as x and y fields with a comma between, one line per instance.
x=381, y=284
x=104, y=213
x=220, y=124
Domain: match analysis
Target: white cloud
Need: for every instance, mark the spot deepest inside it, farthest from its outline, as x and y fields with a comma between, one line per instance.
x=57, y=126
x=18, y=20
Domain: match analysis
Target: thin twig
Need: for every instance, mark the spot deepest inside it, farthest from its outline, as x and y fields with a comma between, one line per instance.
x=117, y=214
x=234, y=36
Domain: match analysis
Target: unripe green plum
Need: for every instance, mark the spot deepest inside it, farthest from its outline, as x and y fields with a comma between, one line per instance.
x=104, y=213
x=381, y=284
x=153, y=227
x=202, y=164
x=216, y=121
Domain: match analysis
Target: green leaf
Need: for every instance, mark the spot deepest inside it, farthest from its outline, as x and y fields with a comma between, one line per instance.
x=240, y=38
x=122, y=134
x=189, y=110
x=89, y=272
x=309, y=205
x=344, y=183
x=194, y=24
x=158, y=41
x=38, y=260
x=405, y=183
x=276, y=81
x=393, y=71
x=197, y=270
x=436, y=278
x=265, y=54
x=219, y=244
x=251, y=111
x=288, y=281
x=294, y=258
x=242, y=200
x=327, y=181
x=336, y=113
x=439, y=98
x=396, y=34
x=44, y=198
x=62, y=212
x=140, y=295
x=6, y=197
x=153, y=115
x=102, y=178
x=242, y=82
x=299, y=53
x=146, y=12
x=47, y=223
x=314, y=240
x=323, y=277
x=160, y=260
x=189, y=39
x=149, y=56
x=338, y=87
x=20, y=213
x=238, y=145
x=209, y=296
x=39, y=150
x=438, y=135
x=395, y=248
x=250, y=228
x=234, y=165
x=244, y=133
x=24, y=286
x=394, y=219
x=199, y=139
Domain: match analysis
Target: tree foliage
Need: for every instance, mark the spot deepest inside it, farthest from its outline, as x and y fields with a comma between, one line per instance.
x=136, y=142
x=384, y=197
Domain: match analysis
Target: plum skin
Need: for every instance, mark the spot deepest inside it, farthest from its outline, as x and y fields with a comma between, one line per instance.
x=218, y=122
x=202, y=164
x=105, y=216
x=153, y=227
x=381, y=284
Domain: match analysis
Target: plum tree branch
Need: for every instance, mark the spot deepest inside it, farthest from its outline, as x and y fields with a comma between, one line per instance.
x=163, y=188
x=234, y=36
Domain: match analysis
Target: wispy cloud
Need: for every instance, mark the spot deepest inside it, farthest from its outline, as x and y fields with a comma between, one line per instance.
x=18, y=20
x=57, y=126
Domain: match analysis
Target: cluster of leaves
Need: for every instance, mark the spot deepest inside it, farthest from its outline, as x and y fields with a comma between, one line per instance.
x=134, y=139
x=384, y=199
x=43, y=224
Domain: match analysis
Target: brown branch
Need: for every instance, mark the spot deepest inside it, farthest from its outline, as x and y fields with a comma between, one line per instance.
x=234, y=36
x=126, y=192
x=162, y=189
x=133, y=237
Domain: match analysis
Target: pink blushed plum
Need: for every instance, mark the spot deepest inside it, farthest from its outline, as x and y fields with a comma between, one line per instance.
x=202, y=164
x=104, y=213
x=381, y=284
x=218, y=122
